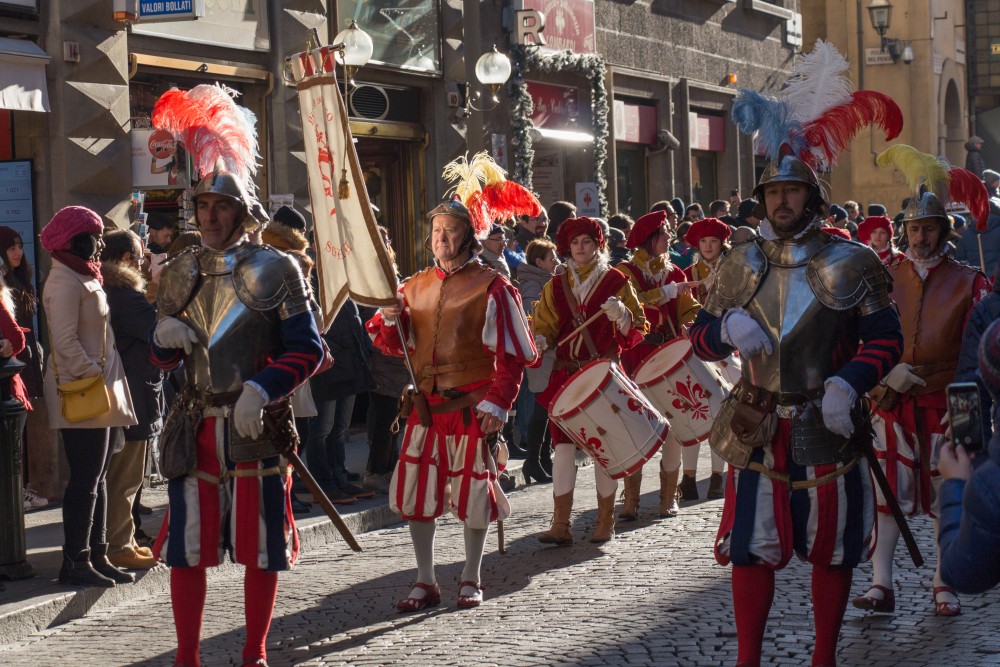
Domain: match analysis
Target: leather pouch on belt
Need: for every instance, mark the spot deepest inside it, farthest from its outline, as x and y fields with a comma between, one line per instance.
x=741, y=428
x=279, y=428
x=177, y=439
x=884, y=396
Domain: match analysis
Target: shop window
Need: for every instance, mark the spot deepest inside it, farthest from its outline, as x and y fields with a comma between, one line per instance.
x=704, y=177
x=405, y=33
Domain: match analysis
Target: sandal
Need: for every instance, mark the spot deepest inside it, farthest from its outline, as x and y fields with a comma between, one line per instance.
x=886, y=605
x=470, y=601
x=431, y=599
x=946, y=608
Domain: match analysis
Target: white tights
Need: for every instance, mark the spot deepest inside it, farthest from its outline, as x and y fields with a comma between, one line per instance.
x=690, y=456
x=564, y=473
x=422, y=534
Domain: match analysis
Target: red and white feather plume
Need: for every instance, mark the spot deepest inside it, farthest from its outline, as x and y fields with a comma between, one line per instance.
x=212, y=127
x=482, y=186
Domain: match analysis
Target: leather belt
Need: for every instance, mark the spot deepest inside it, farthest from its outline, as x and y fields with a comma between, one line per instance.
x=229, y=474
x=219, y=400
x=431, y=371
x=458, y=400
x=762, y=398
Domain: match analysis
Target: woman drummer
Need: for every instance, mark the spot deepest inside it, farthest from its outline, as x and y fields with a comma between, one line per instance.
x=668, y=305
x=709, y=237
x=592, y=287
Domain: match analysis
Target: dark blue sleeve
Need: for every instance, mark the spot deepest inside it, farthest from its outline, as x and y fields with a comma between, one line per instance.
x=881, y=347
x=164, y=358
x=706, y=337
x=969, y=538
x=302, y=356
x=968, y=357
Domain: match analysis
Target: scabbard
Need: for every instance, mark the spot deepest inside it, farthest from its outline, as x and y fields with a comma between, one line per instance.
x=897, y=513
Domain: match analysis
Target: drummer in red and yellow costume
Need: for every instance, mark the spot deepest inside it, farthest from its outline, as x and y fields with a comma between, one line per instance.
x=668, y=306
x=708, y=237
x=876, y=232
x=595, y=286
x=469, y=342
x=934, y=295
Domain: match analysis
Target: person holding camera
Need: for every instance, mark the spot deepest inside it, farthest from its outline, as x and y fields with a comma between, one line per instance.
x=934, y=295
x=969, y=497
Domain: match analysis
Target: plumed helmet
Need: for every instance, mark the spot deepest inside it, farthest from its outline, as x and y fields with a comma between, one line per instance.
x=228, y=185
x=925, y=205
x=785, y=169
x=454, y=208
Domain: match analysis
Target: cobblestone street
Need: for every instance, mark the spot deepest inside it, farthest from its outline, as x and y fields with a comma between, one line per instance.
x=653, y=596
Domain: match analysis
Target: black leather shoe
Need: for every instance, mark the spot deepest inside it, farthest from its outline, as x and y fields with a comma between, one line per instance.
x=105, y=568
x=532, y=469
x=300, y=506
x=689, y=488
x=81, y=573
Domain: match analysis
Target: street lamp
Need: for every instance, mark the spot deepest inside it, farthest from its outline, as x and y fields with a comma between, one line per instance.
x=880, y=14
x=357, y=49
x=492, y=70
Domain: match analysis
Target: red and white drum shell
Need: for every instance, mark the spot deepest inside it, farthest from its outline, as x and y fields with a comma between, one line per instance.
x=730, y=368
x=686, y=389
x=607, y=416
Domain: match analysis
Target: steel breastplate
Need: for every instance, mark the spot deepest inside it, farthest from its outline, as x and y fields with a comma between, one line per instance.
x=234, y=341
x=810, y=339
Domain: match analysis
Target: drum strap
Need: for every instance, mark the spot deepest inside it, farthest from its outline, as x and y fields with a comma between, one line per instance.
x=578, y=319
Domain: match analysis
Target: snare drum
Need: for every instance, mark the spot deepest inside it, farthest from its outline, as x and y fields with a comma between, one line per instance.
x=686, y=389
x=730, y=368
x=604, y=413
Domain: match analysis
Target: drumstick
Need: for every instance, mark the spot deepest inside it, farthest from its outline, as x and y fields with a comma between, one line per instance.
x=580, y=328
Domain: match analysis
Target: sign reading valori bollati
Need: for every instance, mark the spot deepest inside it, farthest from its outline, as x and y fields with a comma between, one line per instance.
x=170, y=10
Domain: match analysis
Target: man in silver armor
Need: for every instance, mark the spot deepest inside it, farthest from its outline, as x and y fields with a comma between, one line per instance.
x=795, y=303
x=237, y=316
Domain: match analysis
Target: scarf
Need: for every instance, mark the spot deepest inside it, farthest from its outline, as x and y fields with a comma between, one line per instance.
x=84, y=267
x=587, y=276
x=654, y=268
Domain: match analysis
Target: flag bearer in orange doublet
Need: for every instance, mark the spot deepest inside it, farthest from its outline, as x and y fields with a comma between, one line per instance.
x=469, y=343
x=667, y=305
x=593, y=287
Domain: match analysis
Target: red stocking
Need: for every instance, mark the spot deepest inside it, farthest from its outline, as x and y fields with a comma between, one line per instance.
x=753, y=592
x=187, y=596
x=831, y=587
x=260, y=588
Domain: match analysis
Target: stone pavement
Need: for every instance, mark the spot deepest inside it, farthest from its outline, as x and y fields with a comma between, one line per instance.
x=653, y=596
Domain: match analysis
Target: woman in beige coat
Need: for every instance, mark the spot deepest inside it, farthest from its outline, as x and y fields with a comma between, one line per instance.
x=83, y=346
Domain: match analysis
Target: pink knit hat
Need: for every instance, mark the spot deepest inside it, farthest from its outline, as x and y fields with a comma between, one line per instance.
x=66, y=224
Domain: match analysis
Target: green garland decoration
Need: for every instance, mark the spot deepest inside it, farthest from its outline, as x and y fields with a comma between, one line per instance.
x=591, y=67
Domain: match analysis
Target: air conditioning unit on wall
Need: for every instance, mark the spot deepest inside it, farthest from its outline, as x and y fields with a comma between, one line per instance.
x=369, y=102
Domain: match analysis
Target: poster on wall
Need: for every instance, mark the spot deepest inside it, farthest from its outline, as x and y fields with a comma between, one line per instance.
x=158, y=161
x=17, y=207
x=587, y=201
x=546, y=175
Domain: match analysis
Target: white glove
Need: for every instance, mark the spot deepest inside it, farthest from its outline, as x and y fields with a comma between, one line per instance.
x=744, y=333
x=903, y=379
x=670, y=291
x=540, y=343
x=171, y=332
x=248, y=413
x=615, y=309
x=838, y=400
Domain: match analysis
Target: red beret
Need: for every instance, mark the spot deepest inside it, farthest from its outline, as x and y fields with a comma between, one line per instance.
x=837, y=231
x=572, y=228
x=872, y=223
x=67, y=223
x=645, y=227
x=707, y=227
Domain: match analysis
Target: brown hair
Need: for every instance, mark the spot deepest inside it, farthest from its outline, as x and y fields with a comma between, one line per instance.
x=537, y=250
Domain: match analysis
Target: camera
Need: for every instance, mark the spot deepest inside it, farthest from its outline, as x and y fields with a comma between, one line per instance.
x=965, y=413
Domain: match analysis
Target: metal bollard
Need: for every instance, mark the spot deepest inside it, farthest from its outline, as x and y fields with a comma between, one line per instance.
x=13, y=545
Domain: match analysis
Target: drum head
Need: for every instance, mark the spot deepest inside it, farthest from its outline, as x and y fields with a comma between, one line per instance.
x=667, y=359
x=581, y=388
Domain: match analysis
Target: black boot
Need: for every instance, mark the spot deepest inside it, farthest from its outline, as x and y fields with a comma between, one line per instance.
x=77, y=571
x=689, y=488
x=532, y=467
x=545, y=457
x=99, y=561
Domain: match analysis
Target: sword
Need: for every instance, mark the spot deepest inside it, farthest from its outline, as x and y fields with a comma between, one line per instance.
x=291, y=439
x=897, y=513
